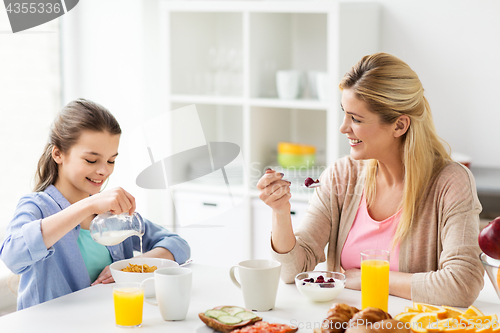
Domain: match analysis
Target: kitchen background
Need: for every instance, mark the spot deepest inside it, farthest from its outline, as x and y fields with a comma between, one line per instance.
x=142, y=59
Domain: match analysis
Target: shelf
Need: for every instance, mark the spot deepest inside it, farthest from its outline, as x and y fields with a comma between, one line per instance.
x=251, y=6
x=224, y=57
x=206, y=99
x=305, y=104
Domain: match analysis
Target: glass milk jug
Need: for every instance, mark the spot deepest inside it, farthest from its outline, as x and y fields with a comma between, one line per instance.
x=112, y=229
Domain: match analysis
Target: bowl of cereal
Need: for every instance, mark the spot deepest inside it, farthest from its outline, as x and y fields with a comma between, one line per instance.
x=137, y=270
x=320, y=286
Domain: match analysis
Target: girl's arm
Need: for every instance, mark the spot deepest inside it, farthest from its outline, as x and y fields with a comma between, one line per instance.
x=158, y=242
x=56, y=226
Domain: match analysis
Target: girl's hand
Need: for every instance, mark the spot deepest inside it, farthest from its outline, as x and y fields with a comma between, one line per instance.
x=105, y=277
x=353, y=278
x=275, y=192
x=116, y=201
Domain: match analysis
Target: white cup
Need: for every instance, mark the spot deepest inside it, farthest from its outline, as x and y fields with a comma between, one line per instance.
x=259, y=282
x=289, y=84
x=173, y=291
x=323, y=86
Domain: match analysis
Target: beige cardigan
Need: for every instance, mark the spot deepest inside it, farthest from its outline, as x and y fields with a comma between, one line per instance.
x=441, y=248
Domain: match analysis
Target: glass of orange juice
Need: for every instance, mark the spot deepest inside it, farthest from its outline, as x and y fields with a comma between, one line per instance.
x=129, y=300
x=375, y=279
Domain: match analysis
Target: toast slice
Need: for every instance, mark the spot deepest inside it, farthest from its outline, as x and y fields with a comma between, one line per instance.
x=223, y=323
x=225, y=328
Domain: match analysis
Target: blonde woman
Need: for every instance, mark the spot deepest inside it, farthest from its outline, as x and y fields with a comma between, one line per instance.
x=398, y=190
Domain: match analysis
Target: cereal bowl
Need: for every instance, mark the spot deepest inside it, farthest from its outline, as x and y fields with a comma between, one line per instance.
x=316, y=289
x=126, y=277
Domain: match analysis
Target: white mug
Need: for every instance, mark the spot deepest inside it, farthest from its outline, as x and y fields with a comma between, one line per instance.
x=173, y=291
x=289, y=84
x=259, y=282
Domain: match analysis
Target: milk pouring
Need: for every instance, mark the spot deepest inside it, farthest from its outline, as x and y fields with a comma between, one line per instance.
x=110, y=229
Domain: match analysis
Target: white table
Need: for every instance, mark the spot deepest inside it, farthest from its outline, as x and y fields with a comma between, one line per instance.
x=91, y=310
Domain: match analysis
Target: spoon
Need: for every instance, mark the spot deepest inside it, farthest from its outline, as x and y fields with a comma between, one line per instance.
x=312, y=185
x=186, y=263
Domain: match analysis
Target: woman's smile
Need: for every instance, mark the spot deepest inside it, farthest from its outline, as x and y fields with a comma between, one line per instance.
x=354, y=142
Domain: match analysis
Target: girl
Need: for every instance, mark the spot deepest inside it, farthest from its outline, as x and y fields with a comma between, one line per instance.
x=48, y=242
x=398, y=190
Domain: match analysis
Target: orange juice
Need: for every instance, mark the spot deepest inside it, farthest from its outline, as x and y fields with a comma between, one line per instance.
x=375, y=283
x=128, y=306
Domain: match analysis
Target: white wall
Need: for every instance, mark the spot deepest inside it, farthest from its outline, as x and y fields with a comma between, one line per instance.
x=454, y=46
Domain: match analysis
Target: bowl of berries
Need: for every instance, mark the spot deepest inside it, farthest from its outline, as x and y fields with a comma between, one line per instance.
x=320, y=286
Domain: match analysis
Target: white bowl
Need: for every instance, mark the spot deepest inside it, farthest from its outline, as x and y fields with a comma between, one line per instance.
x=125, y=277
x=320, y=292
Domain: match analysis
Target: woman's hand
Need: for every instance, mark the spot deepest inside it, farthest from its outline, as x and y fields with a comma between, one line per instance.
x=116, y=201
x=353, y=278
x=105, y=277
x=275, y=192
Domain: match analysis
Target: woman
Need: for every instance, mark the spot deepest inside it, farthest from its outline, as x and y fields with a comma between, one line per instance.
x=48, y=241
x=398, y=190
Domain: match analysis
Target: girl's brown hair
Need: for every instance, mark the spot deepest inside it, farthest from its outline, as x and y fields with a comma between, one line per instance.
x=391, y=88
x=77, y=116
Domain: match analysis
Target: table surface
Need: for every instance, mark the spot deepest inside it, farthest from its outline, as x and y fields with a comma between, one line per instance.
x=91, y=309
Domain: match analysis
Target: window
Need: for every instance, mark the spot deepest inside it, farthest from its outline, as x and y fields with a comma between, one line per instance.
x=30, y=96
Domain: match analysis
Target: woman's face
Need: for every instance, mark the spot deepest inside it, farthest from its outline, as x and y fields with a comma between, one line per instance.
x=368, y=137
x=86, y=166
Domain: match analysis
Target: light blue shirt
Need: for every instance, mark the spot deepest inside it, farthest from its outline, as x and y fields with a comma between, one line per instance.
x=50, y=273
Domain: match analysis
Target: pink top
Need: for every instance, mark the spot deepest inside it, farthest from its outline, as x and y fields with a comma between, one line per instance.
x=366, y=234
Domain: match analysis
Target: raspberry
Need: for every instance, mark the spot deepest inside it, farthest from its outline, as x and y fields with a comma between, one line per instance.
x=320, y=279
x=308, y=182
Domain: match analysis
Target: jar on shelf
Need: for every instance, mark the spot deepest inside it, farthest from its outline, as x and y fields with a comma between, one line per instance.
x=296, y=155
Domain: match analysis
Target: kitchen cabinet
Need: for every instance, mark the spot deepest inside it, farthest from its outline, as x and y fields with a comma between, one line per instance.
x=223, y=56
x=219, y=238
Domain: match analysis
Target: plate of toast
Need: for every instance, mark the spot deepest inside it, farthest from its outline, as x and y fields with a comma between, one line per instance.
x=235, y=319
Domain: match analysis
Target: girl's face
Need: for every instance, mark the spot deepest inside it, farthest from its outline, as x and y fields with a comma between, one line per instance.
x=368, y=137
x=86, y=166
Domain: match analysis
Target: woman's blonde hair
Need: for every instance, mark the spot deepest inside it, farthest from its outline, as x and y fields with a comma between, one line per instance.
x=77, y=116
x=390, y=88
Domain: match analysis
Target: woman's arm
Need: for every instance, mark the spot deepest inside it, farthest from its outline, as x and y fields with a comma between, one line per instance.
x=275, y=192
x=399, y=282
x=312, y=235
